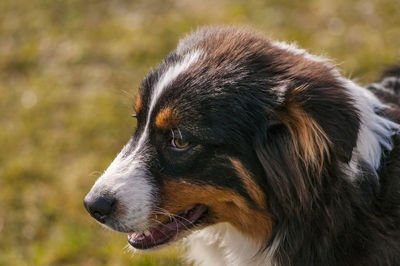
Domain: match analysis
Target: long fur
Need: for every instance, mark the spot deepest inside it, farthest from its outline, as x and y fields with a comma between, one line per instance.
x=296, y=164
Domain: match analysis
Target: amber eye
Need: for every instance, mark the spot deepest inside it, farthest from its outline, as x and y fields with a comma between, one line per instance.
x=179, y=144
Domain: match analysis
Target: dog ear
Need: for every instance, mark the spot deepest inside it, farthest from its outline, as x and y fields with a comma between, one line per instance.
x=314, y=127
x=333, y=110
x=322, y=121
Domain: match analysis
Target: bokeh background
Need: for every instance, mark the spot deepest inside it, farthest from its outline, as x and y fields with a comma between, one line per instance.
x=69, y=71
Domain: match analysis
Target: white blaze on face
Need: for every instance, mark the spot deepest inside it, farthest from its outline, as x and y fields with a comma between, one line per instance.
x=128, y=179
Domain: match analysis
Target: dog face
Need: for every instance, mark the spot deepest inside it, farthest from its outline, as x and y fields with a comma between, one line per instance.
x=231, y=128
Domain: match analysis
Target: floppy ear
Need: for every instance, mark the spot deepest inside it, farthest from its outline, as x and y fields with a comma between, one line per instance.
x=316, y=127
x=322, y=122
x=334, y=111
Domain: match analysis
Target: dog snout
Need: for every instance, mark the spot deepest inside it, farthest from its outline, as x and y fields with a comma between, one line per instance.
x=100, y=208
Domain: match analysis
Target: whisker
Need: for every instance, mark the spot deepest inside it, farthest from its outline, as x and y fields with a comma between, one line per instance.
x=159, y=230
x=180, y=133
x=95, y=174
x=165, y=212
x=173, y=219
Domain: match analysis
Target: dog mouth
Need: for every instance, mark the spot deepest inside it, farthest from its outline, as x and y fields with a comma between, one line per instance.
x=172, y=229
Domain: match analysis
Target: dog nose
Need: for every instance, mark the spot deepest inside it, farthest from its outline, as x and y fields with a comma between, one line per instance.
x=99, y=208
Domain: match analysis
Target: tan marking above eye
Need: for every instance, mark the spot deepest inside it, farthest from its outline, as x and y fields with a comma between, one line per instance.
x=166, y=119
x=138, y=104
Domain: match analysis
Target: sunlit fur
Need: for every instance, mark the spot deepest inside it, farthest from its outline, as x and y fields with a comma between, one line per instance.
x=296, y=164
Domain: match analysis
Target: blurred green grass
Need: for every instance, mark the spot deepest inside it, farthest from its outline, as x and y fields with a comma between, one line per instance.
x=69, y=71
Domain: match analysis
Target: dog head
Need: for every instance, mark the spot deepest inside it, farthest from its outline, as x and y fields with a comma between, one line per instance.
x=231, y=128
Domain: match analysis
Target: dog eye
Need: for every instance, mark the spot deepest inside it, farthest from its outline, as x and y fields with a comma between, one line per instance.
x=179, y=144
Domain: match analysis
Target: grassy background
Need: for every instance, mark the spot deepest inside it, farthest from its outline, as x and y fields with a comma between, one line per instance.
x=69, y=70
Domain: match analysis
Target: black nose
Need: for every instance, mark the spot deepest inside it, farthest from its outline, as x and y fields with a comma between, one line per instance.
x=100, y=208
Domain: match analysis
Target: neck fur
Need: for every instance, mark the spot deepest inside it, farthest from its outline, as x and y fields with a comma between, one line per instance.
x=375, y=133
x=222, y=244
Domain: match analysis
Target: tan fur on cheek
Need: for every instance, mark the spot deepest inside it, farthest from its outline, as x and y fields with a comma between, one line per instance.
x=224, y=206
x=252, y=188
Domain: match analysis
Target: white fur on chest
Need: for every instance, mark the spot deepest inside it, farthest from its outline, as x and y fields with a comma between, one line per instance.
x=222, y=244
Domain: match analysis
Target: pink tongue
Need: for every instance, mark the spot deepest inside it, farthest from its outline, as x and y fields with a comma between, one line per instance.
x=159, y=232
x=165, y=232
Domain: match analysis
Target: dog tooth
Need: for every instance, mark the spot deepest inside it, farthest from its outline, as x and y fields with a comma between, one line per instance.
x=140, y=237
x=147, y=233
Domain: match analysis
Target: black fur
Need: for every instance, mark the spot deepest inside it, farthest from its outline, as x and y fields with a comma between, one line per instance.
x=320, y=218
x=293, y=125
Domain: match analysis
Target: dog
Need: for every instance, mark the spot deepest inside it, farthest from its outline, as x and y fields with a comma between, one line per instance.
x=258, y=153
